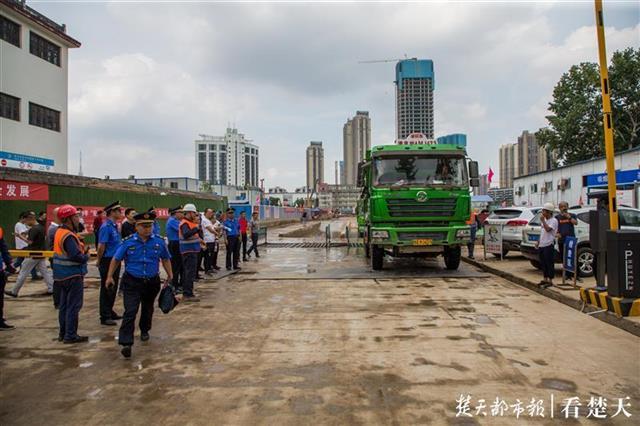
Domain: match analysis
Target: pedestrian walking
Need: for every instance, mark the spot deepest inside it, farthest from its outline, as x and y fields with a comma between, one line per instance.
x=190, y=235
x=108, y=242
x=209, y=237
x=546, y=243
x=128, y=226
x=232, y=232
x=254, y=226
x=6, y=265
x=566, y=228
x=244, y=224
x=142, y=253
x=69, y=268
x=172, y=230
x=37, y=242
x=20, y=232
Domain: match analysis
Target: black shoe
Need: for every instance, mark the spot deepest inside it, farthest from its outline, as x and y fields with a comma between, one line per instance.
x=37, y=278
x=115, y=316
x=244, y=260
x=5, y=327
x=186, y=298
x=198, y=277
x=8, y=293
x=78, y=339
x=144, y=336
x=237, y=268
x=108, y=322
x=217, y=268
x=228, y=269
x=257, y=255
x=60, y=338
x=126, y=351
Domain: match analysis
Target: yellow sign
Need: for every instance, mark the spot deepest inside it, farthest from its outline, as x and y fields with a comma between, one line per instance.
x=423, y=242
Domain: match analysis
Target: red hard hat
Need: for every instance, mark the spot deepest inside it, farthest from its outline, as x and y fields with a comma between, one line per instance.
x=66, y=211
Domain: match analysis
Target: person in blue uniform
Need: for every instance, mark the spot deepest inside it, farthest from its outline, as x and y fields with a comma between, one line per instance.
x=5, y=259
x=108, y=242
x=232, y=231
x=173, y=236
x=142, y=254
x=156, y=225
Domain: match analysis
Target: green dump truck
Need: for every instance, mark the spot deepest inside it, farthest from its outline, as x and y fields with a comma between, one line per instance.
x=415, y=201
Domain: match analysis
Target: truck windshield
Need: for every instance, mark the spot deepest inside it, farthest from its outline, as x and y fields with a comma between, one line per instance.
x=406, y=170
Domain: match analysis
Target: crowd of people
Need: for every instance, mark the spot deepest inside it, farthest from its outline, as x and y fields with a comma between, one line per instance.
x=192, y=243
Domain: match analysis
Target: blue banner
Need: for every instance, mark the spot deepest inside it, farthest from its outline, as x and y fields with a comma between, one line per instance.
x=570, y=252
x=623, y=177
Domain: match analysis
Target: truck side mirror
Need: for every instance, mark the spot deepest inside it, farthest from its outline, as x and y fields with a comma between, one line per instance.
x=474, y=182
x=473, y=171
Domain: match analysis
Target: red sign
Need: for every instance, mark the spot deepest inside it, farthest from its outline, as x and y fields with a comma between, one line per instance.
x=416, y=139
x=15, y=191
x=89, y=213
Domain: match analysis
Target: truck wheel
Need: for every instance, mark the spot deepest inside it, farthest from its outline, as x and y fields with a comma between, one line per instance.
x=536, y=264
x=452, y=257
x=377, y=257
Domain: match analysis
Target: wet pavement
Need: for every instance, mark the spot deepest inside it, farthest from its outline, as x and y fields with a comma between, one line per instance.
x=269, y=345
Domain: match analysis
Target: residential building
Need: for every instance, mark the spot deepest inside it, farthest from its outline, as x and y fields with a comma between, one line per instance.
x=356, y=140
x=315, y=164
x=287, y=198
x=522, y=158
x=339, y=172
x=415, y=82
x=181, y=183
x=227, y=160
x=573, y=183
x=338, y=197
x=34, y=71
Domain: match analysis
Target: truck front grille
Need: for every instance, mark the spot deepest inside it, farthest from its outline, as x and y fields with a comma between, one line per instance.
x=408, y=207
x=415, y=235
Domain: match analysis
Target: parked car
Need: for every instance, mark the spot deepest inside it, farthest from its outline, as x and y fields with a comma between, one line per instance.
x=629, y=219
x=513, y=220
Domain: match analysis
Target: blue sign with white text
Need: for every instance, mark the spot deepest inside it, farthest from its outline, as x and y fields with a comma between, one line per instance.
x=623, y=177
x=569, y=255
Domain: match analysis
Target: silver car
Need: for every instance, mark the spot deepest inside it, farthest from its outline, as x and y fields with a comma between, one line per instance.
x=512, y=219
x=629, y=219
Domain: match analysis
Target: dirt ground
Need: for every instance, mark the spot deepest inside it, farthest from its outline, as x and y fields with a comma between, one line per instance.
x=313, y=336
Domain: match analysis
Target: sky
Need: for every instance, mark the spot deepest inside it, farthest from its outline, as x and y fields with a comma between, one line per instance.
x=151, y=76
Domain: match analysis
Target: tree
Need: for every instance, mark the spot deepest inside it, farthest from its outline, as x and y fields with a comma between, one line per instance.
x=575, y=129
x=205, y=186
x=274, y=201
x=299, y=202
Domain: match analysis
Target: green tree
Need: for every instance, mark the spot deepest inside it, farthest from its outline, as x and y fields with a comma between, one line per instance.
x=274, y=201
x=575, y=129
x=299, y=202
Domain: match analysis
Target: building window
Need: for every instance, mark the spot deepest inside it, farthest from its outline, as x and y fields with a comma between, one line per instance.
x=173, y=185
x=44, y=49
x=202, y=147
x=534, y=188
x=9, y=31
x=44, y=117
x=9, y=107
x=202, y=166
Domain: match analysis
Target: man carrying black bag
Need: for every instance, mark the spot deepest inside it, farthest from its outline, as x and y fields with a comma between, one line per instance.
x=141, y=280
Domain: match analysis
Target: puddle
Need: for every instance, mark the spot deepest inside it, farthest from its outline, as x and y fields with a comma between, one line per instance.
x=94, y=393
x=558, y=384
x=85, y=365
x=218, y=368
x=484, y=319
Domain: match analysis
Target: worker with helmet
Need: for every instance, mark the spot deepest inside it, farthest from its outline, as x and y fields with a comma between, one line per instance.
x=69, y=268
x=142, y=253
x=109, y=240
x=191, y=242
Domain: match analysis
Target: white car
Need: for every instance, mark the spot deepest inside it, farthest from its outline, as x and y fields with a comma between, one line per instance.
x=629, y=219
x=513, y=219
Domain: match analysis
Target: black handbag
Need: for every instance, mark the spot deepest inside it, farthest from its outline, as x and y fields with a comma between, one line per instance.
x=167, y=300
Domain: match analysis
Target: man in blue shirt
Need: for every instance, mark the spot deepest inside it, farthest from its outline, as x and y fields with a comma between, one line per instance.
x=156, y=225
x=141, y=280
x=108, y=242
x=173, y=236
x=232, y=231
x=566, y=228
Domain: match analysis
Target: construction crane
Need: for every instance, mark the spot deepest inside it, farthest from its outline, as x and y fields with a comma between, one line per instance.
x=378, y=61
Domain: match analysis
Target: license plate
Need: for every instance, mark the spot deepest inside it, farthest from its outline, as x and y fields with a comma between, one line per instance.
x=534, y=237
x=423, y=242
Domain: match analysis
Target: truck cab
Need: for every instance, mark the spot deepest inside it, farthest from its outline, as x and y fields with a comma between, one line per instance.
x=415, y=201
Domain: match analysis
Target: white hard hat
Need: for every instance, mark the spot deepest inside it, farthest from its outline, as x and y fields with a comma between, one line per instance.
x=549, y=206
x=189, y=208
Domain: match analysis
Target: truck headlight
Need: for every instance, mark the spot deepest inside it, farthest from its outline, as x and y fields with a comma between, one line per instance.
x=463, y=233
x=379, y=234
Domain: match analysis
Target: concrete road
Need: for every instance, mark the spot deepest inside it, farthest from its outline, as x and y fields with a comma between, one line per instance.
x=312, y=336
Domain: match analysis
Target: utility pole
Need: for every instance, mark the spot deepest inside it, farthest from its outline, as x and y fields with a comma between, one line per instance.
x=607, y=120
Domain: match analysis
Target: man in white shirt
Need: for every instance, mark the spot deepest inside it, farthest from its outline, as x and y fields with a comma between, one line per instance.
x=20, y=231
x=546, y=244
x=209, y=238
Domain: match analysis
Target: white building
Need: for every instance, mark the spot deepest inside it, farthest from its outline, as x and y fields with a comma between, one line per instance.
x=315, y=164
x=181, y=183
x=356, y=141
x=287, y=198
x=33, y=89
x=574, y=182
x=340, y=197
x=227, y=160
